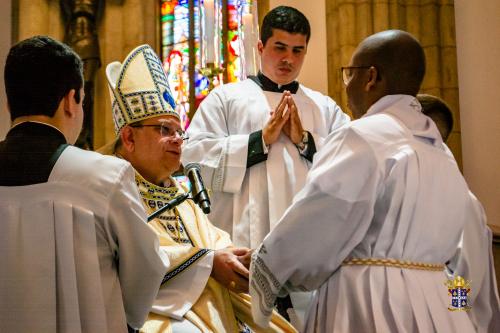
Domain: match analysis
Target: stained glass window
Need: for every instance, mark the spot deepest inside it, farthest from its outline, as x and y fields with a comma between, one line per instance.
x=176, y=55
x=234, y=72
x=175, y=51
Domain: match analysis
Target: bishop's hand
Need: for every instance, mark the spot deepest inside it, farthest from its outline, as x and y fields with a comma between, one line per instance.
x=246, y=258
x=229, y=271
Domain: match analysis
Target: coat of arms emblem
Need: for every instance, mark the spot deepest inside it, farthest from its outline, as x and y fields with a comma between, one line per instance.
x=458, y=289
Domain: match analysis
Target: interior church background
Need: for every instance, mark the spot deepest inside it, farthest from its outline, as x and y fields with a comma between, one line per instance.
x=460, y=39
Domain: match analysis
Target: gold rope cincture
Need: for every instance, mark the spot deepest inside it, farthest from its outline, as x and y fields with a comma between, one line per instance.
x=393, y=263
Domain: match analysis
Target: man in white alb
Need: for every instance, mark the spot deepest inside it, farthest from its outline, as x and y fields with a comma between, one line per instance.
x=256, y=139
x=384, y=216
x=76, y=253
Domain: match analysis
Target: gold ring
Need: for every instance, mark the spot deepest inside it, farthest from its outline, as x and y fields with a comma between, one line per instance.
x=232, y=285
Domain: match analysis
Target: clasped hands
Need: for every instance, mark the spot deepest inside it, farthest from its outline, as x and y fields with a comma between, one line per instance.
x=284, y=118
x=230, y=268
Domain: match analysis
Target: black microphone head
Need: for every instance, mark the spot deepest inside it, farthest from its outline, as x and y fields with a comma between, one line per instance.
x=199, y=193
x=191, y=166
x=193, y=171
x=205, y=206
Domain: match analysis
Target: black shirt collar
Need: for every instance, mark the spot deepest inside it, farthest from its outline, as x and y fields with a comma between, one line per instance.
x=29, y=153
x=268, y=85
x=51, y=134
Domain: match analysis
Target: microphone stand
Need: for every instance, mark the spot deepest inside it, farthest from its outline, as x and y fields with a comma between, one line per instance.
x=169, y=205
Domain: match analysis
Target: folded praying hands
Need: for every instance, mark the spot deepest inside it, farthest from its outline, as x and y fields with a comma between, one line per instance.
x=284, y=118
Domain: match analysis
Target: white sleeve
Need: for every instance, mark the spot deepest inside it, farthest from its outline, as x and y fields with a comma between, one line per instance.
x=474, y=262
x=182, y=292
x=190, y=267
x=336, y=118
x=332, y=213
x=222, y=155
x=141, y=266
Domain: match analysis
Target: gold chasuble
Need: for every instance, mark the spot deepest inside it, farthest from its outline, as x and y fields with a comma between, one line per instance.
x=186, y=235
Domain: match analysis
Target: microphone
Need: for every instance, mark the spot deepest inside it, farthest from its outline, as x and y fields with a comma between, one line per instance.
x=200, y=195
x=169, y=205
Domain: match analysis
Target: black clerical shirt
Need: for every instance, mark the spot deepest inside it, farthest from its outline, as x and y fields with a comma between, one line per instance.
x=28, y=153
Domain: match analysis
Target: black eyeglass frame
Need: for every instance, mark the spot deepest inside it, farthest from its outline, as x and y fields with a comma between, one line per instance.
x=182, y=134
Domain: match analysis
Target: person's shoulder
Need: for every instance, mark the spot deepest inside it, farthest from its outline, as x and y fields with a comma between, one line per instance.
x=89, y=168
x=345, y=134
x=318, y=96
x=230, y=94
x=344, y=150
x=363, y=132
x=92, y=159
x=374, y=123
x=240, y=87
x=308, y=90
x=380, y=132
x=311, y=92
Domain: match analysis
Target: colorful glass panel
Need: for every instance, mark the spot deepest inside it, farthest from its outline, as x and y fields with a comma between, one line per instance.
x=234, y=72
x=201, y=83
x=175, y=51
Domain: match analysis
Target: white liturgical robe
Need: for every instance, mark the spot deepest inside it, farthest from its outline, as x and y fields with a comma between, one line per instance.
x=384, y=187
x=218, y=140
x=76, y=254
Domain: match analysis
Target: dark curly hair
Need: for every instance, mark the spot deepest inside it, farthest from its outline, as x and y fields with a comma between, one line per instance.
x=285, y=18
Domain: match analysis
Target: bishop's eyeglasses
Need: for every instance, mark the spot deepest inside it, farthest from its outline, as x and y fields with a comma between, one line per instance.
x=165, y=130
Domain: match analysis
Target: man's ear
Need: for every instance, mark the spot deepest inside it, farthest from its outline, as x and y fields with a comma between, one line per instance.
x=69, y=104
x=260, y=46
x=128, y=138
x=372, y=78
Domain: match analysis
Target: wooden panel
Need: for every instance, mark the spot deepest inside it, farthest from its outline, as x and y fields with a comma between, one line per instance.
x=262, y=9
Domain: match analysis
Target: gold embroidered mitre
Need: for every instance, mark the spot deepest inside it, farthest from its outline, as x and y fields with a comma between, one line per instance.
x=139, y=88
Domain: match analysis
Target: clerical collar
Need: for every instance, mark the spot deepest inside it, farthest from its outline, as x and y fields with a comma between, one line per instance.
x=268, y=85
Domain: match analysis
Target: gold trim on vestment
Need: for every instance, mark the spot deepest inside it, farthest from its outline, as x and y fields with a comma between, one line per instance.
x=393, y=263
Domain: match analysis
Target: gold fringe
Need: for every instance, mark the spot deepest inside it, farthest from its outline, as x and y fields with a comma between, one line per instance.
x=393, y=263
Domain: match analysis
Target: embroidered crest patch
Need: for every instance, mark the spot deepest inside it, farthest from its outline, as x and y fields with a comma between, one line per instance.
x=458, y=289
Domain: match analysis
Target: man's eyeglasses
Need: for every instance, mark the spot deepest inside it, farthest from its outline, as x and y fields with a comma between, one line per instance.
x=347, y=72
x=165, y=130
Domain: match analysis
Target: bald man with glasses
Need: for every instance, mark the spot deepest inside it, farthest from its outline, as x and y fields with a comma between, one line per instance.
x=385, y=231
